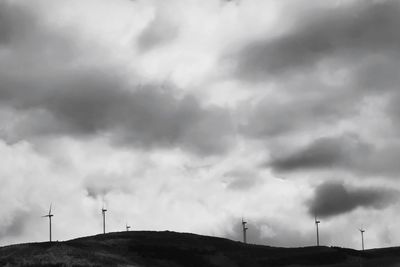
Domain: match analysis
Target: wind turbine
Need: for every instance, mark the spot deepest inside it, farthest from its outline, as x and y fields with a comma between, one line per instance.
x=127, y=227
x=49, y=215
x=244, y=230
x=362, y=237
x=103, y=211
x=316, y=224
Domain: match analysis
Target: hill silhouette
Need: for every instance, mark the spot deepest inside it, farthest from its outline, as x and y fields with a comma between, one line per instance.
x=161, y=249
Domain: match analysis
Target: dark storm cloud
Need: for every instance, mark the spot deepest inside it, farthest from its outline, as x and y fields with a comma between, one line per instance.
x=348, y=31
x=344, y=152
x=334, y=198
x=326, y=65
x=327, y=152
x=147, y=117
x=53, y=93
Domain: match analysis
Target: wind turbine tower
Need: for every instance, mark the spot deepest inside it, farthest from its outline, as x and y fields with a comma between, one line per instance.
x=362, y=238
x=127, y=227
x=316, y=224
x=49, y=215
x=103, y=211
x=244, y=230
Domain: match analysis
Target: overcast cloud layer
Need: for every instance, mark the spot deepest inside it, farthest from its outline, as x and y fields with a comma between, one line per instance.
x=188, y=115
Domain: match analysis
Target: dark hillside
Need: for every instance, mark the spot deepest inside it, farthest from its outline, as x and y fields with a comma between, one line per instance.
x=161, y=249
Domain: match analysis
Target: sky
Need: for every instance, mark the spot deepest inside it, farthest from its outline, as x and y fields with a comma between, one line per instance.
x=189, y=115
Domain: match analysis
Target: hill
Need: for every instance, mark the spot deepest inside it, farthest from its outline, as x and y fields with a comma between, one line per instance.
x=161, y=249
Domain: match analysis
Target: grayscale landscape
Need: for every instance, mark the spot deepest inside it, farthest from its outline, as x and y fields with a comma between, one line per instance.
x=267, y=129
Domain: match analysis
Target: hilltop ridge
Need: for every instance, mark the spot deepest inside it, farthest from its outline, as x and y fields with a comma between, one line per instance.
x=159, y=249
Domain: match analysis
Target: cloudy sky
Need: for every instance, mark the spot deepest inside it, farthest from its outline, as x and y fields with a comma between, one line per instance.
x=187, y=115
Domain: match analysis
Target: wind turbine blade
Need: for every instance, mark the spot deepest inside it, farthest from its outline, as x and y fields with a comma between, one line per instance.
x=50, y=208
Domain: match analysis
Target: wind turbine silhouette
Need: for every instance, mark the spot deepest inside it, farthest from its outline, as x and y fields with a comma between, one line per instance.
x=127, y=227
x=362, y=237
x=244, y=230
x=103, y=211
x=49, y=215
x=316, y=224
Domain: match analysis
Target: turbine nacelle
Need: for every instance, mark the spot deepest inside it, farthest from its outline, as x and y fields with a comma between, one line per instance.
x=244, y=225
x=103, y=210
